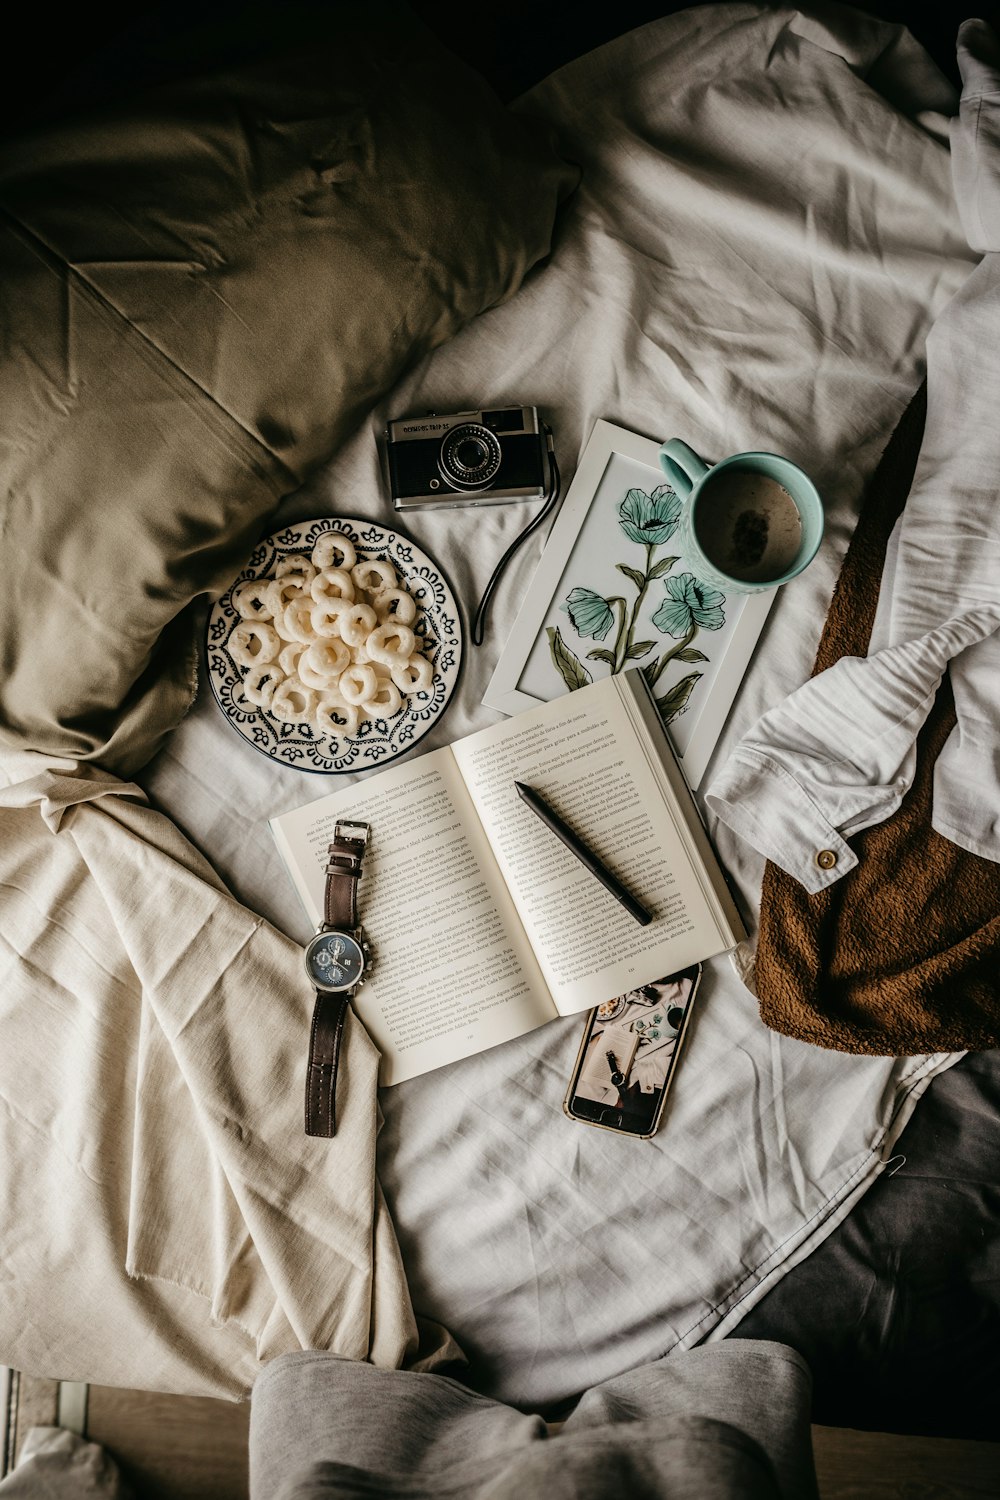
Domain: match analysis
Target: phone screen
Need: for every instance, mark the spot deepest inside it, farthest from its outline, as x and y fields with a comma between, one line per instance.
x=627, y=1056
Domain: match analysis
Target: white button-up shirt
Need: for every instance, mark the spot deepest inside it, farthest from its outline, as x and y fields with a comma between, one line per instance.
x=839, y=753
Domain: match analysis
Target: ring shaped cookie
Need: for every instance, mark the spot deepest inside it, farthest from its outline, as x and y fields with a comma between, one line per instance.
x=385, y=701
x=356, y=624
x=254, y=642
x=279, y=624
x=374, y=575
x=288, y=657
x=296, y=622
x=325, y=616
x=413, y=676
x=335, y=719
x=292, y=703
x=281, y=592
x=332, y=583
x=358, y=684
x=318, y=681
x=396, y=605
x=334, y=550
x=260, y=683
x=329, y=658
x=391, y=643
x=250, y=599
x=295, y=562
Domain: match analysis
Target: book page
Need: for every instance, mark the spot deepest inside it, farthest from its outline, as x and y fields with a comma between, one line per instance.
x=452, y=971
x=641, y=708
x=583, y=754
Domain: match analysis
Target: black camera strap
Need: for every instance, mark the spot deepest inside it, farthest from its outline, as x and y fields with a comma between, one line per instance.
x=549, y=504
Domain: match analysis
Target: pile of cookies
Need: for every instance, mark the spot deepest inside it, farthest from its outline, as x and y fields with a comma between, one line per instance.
x=328, y=641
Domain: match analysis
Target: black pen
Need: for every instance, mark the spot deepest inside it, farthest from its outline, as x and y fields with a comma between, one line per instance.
x=586, y=857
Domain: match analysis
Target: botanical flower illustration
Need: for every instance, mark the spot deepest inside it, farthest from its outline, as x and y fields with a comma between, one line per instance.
x=688, y=606
x=689, y=602
x=591, y=613
x=650, y=518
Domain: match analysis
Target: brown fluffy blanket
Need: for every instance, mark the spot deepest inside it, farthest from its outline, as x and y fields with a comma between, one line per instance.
x=903, y=954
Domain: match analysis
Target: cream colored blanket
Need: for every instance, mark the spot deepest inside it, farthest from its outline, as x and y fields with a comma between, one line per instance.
x=165, y=1221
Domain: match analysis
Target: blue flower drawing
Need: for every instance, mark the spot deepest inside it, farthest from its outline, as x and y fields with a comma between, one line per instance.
x=688, y=606
x=689, y=602
x=650, y=518
x=591, y=613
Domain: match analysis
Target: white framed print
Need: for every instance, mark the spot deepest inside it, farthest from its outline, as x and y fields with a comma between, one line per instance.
x=612, y=590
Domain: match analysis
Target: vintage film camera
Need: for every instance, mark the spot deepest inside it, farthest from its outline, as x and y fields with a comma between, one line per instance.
x=468, y=458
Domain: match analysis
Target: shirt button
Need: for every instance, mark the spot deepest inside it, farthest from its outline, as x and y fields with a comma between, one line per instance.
x=826, y=859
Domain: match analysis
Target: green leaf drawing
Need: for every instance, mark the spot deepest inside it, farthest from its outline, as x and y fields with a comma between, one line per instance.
x=691, y=653
x=632, y=573
x=601, y=655
x=663, y=566
x=639, y=648
x=676, y=701
x=574, y=674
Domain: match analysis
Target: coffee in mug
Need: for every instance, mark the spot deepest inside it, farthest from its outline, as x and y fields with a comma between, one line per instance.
x=749, y=526
x=749, y=522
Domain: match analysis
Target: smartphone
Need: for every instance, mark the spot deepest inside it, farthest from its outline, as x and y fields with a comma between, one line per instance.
x=628, y=1055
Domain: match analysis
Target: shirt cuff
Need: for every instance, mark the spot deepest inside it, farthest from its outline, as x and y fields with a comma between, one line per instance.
x=762, y=803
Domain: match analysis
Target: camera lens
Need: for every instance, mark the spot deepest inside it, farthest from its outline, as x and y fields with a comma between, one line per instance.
x=470, y=456
x=471, y=453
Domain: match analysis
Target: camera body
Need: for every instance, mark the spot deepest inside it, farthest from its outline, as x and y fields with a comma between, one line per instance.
x=467, y=458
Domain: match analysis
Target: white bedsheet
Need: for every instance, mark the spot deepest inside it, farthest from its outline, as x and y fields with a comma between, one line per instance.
x=764, y=233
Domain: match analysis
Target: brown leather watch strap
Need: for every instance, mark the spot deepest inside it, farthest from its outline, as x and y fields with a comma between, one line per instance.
x=343, y=871
x=340, y=912
x=329, y=1015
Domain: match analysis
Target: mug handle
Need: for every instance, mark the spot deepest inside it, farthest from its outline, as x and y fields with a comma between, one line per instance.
x=682, y=466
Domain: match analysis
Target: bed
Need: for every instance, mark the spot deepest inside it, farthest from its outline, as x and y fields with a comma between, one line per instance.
x=744, y=286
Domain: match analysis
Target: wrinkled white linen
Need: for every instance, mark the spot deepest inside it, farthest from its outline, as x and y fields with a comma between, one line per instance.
x=840, y=753
x=764, y=234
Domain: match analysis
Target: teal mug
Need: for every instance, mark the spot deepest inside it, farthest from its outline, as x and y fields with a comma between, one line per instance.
x=749, y=523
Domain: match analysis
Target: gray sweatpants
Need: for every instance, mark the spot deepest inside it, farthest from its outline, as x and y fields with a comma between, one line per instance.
x=728, y=1419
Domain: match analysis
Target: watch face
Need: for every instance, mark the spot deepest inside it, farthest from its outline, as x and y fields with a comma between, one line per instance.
x=334, y=961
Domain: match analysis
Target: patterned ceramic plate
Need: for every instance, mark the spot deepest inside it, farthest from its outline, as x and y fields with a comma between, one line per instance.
x=378, y=741
x=612, y=1008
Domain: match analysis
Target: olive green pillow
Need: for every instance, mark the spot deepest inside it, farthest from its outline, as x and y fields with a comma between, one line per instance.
x=202, y=293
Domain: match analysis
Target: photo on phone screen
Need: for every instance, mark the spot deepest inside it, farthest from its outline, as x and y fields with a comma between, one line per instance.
x=627, y=1056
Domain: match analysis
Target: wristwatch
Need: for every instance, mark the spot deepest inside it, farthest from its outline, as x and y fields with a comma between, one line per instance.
x=337, y=962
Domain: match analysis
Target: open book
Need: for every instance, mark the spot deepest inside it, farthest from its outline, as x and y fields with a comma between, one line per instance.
x=483, y=925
